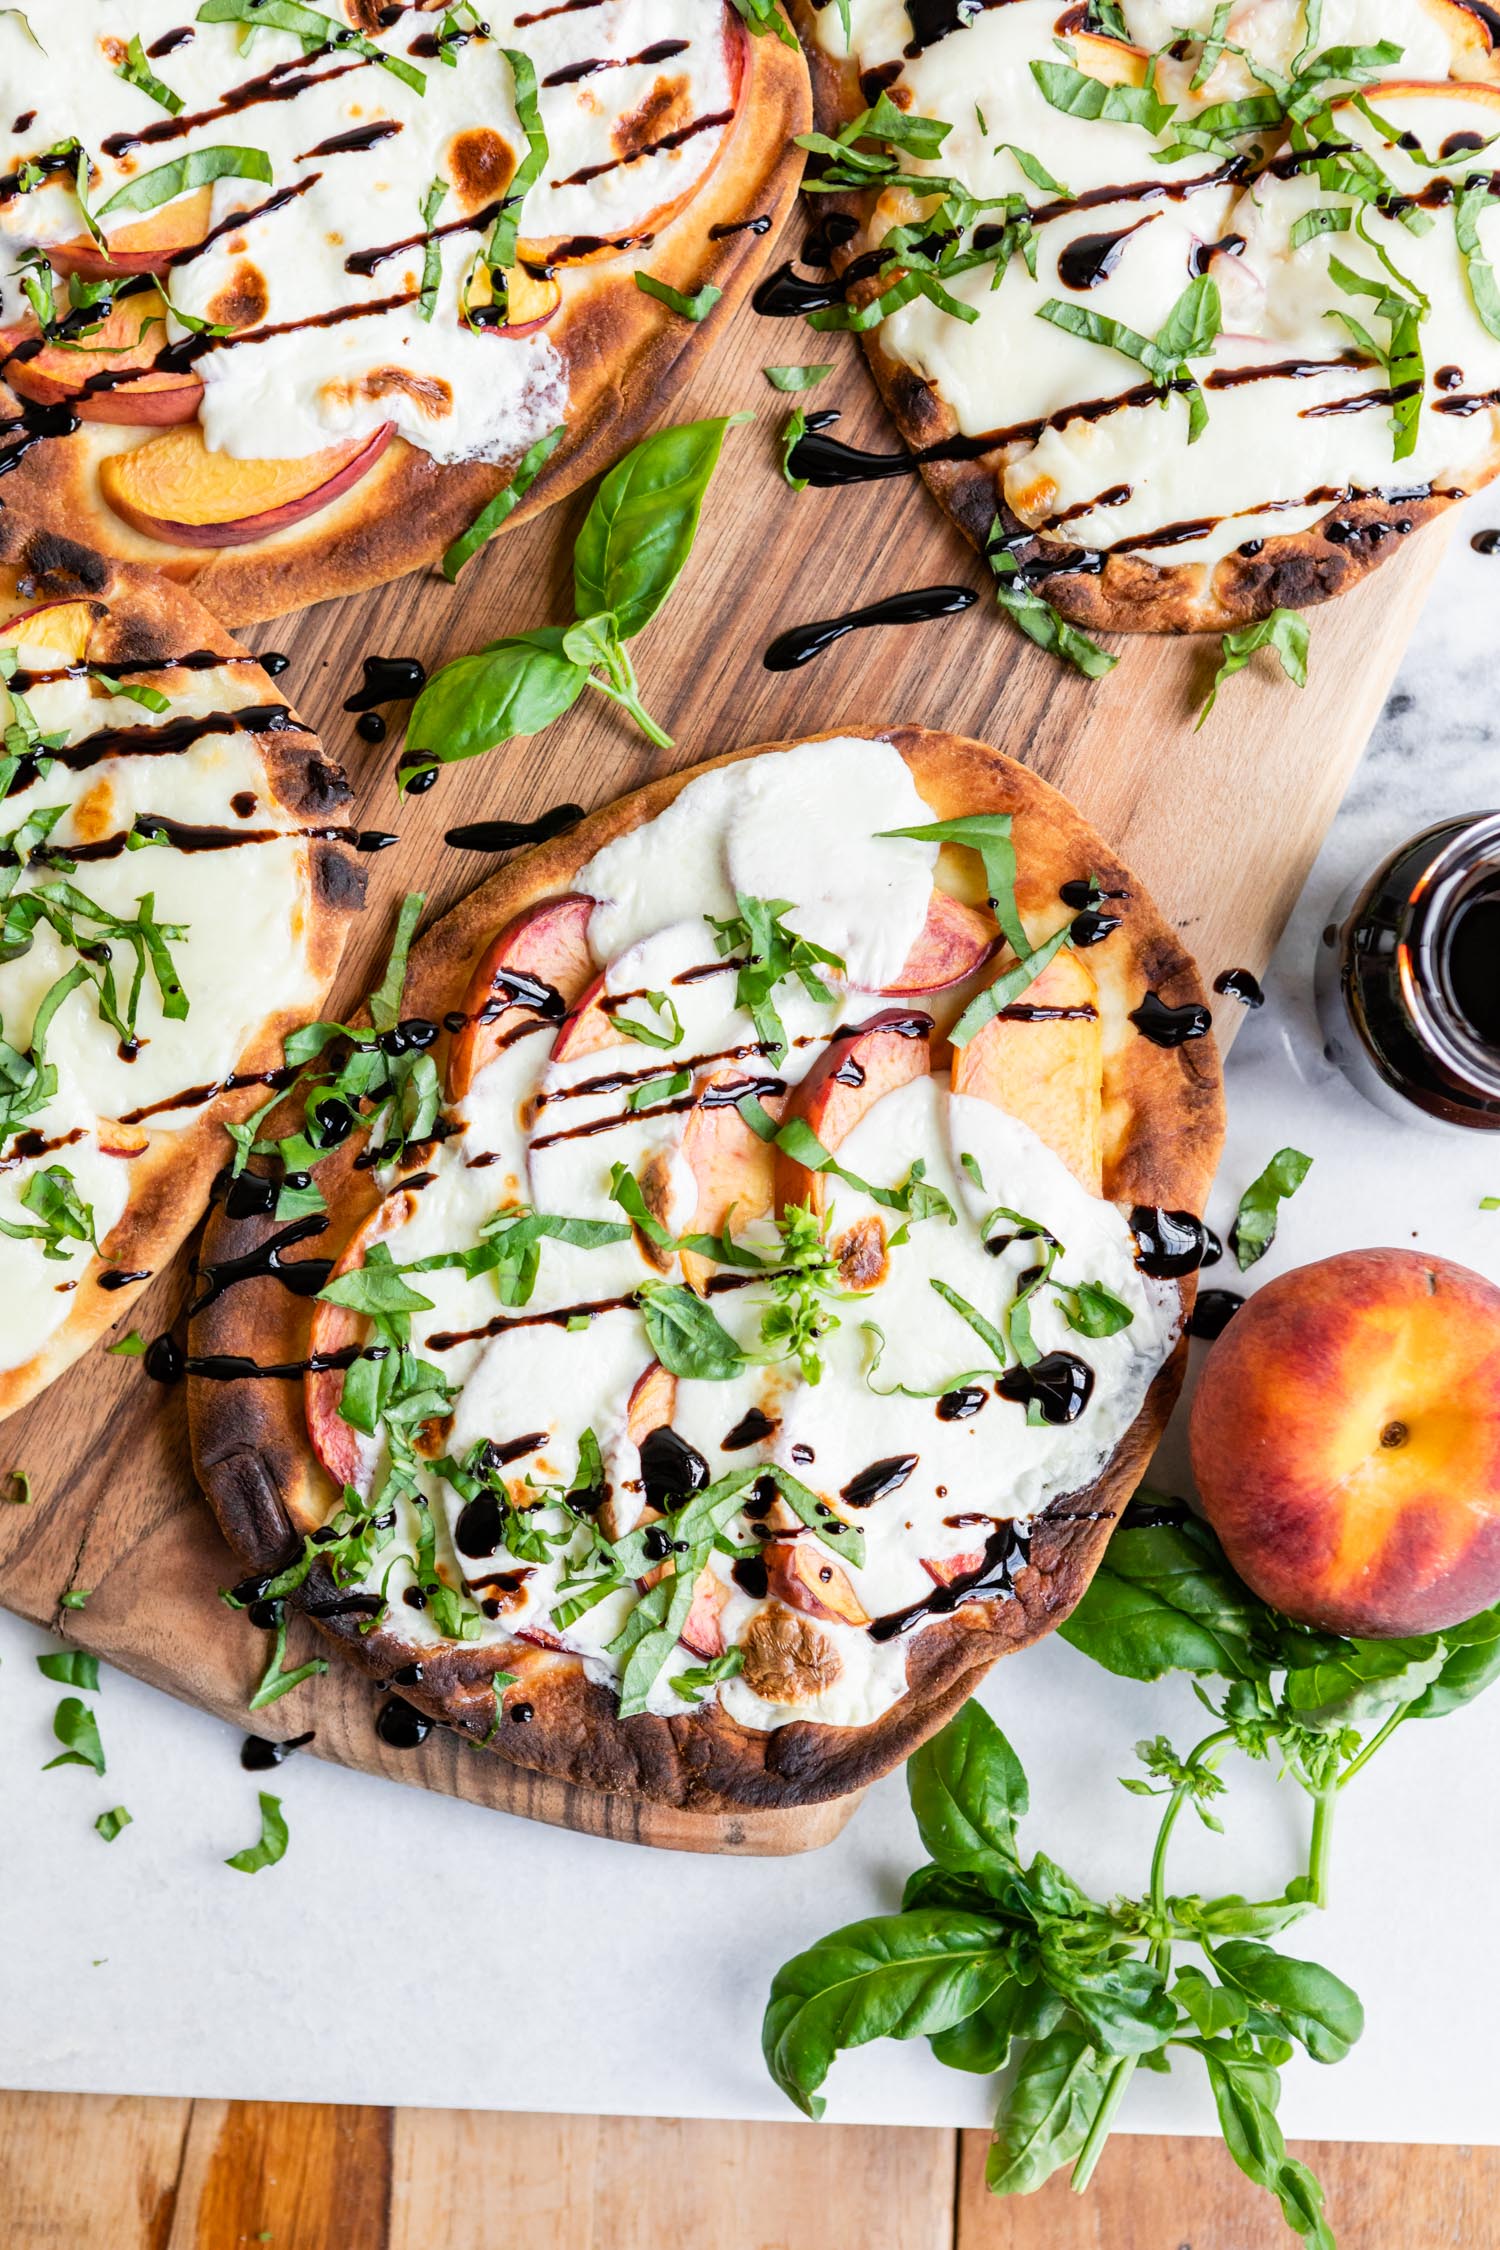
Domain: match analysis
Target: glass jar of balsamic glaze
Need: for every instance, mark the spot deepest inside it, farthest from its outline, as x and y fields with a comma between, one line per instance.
x=1409, y=977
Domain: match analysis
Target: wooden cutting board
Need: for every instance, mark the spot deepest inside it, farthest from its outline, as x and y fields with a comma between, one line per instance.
x=1221, y=826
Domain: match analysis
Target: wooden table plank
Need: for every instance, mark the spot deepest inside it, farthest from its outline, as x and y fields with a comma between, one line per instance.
x=85, y=2169
x=1152, y=2193
x=475, y=2181
x=291, y=2175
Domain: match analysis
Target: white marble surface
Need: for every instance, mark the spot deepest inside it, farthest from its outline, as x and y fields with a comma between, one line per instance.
x=530, y=1969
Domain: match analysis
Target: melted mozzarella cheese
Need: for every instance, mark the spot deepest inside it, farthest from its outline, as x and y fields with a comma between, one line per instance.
x=1095, y=460
x=762, y=829
x=635, y=99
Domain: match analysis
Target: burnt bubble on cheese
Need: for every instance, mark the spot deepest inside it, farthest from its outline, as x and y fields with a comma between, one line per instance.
x=344, y=271
x=236, y=901
x=886, y=1406
x=1302, y=414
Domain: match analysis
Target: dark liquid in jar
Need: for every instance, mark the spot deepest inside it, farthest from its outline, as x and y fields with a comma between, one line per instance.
x=1409, y=978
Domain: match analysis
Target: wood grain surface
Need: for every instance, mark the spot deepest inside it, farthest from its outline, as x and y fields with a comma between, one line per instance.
x=81, y=2171
x=1221, y=826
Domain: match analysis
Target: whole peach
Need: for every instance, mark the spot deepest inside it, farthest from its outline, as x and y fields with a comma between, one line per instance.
x=1346, y=1443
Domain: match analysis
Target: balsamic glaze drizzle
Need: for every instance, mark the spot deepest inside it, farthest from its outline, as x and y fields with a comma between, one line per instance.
x=790, y=650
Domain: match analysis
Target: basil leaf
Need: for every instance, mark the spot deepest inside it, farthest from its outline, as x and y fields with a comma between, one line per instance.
x=1475, y=198
x=1471, y=1661
x=651, y=1035
x=313, y=29
x=1077, y=95
x=1044, y=2116
x=76, y=1597
x=667, y=1088
x=797, y=378
x=504, y=504
x=1008, y=988
x=273, y=1840
x=640, y=529
x=765, y=15
x=501, y=250
x=690, y=1684
x=1325, y=218
x=517, y=686
x=276, y=1681
x=1254, y=1227
x=696, y=306
x=651, y=1632
x=1244, y=2094
x=847, y=1540
x=385, y=1000
x=625, y=1189
x=1164, y=1600
x=984, y=1329
x=1284, y=631
x=109, y=1824
x=982, y=2042
x=16, y=1488
x=988, y=834
x=432, y=254
x=1037, y=618
x=968, y=1790
x=793, y=431
x=149, y=190
x=1124, y=2006
x=896, y=1976
x=1317, y=2008
x=686, y=1337
x=137, y=70
x=1092, y=1309
x=77, y=1729
x=373, y=1289
x=71, y=1667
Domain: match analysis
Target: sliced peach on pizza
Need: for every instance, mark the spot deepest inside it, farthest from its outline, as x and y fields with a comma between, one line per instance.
x=857, y=1067
x=147, y=245
x=536, y=970
x=175, y=490
x=1042, y=1060
x=955, y=941
x=112, y=375
x=733, y=1169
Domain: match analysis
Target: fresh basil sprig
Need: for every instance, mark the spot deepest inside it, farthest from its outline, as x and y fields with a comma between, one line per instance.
x=772, y=955
x=629, y=555
x=1033, y=613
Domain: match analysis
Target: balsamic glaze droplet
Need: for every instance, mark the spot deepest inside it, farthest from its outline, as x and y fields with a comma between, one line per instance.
x=1059, y=1385
x=1242, y=985
x=371, y=727
x=752, y=1577
x=388, y=679
x=880, y=1478
x=671, y=1469
x=273, y=662
x=521, y=1714
x=753, y=1428
x=1169, y=1244
x=1213, y=1312
x=1165, y=1026
x=477, y=1532
x=259, y=1756
x=1092, y=928
x=415, y=772
x=960, y=1405
x=165, y=1359
x=400, y=1725
x=1486, y=542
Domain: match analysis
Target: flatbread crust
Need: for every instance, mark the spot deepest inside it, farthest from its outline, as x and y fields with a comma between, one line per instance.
x=1128, y=594
x=626, y=354
x=1163, y=1125
x=141, y=617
